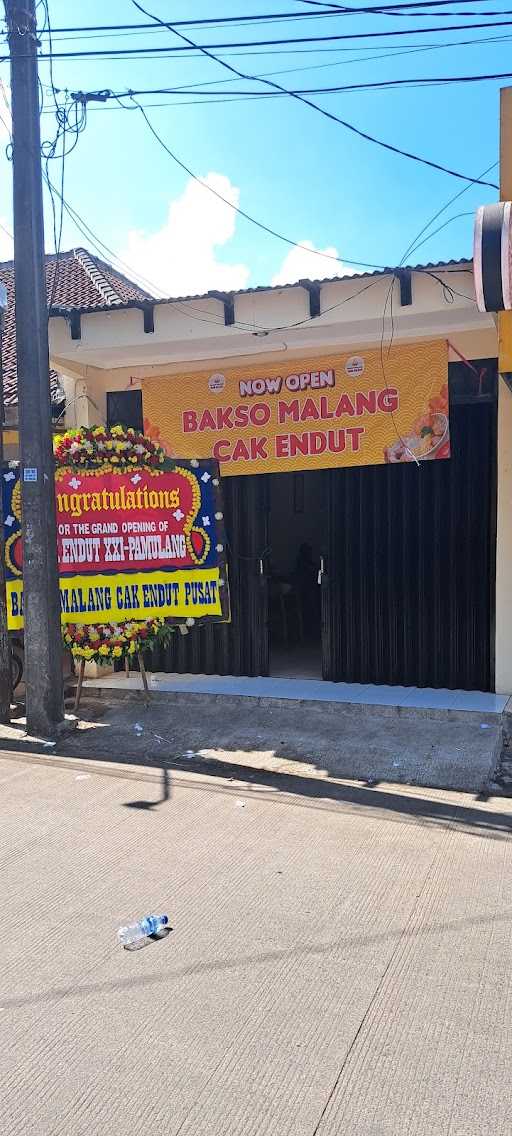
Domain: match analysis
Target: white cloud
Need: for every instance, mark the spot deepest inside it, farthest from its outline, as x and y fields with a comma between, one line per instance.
x=305, y=264
x=180, y=259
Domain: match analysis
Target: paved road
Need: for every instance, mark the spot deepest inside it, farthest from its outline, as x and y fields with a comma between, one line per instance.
x=338, y=964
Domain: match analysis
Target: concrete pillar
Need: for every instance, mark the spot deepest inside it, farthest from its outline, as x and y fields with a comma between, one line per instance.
x=78, y=409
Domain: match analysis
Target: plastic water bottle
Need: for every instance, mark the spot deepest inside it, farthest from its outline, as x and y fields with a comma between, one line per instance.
x=134, y=933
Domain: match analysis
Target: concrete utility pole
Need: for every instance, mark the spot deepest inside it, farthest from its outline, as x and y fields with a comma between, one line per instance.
x=43, y=643
x=5, y=650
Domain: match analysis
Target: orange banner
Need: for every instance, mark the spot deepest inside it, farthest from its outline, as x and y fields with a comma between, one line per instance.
x=314, y=413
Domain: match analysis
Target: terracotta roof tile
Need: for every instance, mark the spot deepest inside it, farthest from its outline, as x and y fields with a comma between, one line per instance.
x=76, y=281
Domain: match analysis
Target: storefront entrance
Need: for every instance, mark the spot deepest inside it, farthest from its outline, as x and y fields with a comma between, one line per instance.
x=297, y=527
x=405, y=556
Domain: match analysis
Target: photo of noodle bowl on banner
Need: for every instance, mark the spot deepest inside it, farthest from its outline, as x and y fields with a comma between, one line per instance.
x=140, y=542
x=430, y=435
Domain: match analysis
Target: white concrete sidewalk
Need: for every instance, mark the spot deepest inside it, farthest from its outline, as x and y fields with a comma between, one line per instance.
x=310, y=689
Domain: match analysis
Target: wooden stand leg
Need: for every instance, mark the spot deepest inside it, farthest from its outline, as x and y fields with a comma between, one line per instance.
x=127, y=666
x=79, y=685
x=143, y=675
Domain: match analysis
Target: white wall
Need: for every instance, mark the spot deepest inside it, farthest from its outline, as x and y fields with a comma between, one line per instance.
x=504, y=544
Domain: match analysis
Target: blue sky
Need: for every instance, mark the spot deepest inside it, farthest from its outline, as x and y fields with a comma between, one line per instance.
x=302, y=175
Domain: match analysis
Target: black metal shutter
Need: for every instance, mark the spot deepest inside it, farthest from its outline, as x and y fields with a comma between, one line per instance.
x=410, y=588
x=242, y=646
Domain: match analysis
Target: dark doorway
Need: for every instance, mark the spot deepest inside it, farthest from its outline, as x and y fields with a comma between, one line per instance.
x=297, y=531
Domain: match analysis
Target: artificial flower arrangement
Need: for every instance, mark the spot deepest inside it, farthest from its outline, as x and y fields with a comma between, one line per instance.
x=112, y=642
x=111, y=450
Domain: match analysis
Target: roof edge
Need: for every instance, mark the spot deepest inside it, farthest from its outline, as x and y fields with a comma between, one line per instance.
x=153, y=301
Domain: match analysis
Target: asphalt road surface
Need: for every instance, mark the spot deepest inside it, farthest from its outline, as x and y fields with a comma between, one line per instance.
x=339, y=960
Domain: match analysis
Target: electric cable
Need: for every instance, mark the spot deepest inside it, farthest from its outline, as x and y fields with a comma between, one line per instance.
x=379, y=85
x=415, y=50
x=220, y=21
x=456, y=217
x=448, y=291
x=149, y=52
x=229, y=98
x=6, y=231
x=398, y=9
x=259, y=224
x=48, y=153
x=314, y=106
x=71, y=120
x=411, y=248
x=242, y=213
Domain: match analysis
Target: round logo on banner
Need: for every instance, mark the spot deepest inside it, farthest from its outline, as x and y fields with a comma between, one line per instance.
x=217, y=382
x=354, y=366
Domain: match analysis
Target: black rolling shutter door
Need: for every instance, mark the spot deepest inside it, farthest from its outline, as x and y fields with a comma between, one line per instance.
x=409, y=594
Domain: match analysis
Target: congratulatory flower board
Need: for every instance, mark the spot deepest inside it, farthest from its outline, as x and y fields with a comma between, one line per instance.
x=140, y=539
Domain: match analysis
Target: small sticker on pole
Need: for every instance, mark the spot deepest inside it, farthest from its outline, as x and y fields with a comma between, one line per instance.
x=30, y=473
